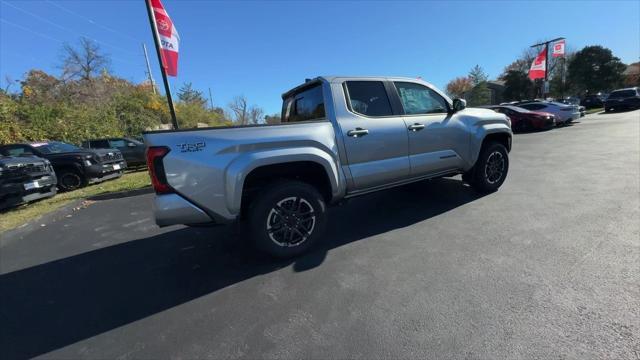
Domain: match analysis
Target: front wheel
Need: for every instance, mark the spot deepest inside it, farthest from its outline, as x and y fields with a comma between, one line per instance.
x=69, y=179
x=287, y=218
x=490, y=171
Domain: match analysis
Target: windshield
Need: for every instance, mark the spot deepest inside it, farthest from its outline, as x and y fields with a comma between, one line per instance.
x=622, y=94
x=55, y=147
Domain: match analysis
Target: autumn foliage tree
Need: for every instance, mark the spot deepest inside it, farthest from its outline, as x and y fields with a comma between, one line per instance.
x=459, y=86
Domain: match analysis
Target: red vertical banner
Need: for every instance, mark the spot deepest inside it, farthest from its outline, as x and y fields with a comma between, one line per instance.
x=538, y=66
x=169, y=38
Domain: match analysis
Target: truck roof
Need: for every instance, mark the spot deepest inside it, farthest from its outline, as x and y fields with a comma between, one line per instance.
x=340, y=78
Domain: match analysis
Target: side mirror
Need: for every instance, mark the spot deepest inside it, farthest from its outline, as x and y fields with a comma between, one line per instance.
x=459, y=104
x=131, y=144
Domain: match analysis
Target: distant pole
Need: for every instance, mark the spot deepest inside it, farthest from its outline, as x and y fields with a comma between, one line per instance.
x=210, y=99
x=149, y=75
x=156, y=40
x=546, y=62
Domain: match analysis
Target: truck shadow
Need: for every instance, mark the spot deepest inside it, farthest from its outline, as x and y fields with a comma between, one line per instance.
x=56, y=304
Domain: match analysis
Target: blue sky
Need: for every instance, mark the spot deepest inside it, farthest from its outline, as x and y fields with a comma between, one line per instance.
x=261, y=49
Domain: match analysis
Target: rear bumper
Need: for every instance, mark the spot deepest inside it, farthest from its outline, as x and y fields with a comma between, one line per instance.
x=173, y=209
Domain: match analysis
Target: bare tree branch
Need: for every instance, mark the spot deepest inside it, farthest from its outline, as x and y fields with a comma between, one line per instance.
x=84, y=62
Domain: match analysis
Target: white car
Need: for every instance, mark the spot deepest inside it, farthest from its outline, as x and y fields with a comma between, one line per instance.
x=564, y=113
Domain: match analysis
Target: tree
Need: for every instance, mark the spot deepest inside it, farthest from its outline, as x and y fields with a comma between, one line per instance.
x=517, y=85
x=84, y=62
x=458, y=87
x=477, y=75
x=255, y=114
x=594, y=68
x=240, y=109
x=272, y=119
x=188, y=95
x=479, y=94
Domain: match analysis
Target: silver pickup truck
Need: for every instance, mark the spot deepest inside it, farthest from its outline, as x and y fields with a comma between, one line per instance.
x=340, y=137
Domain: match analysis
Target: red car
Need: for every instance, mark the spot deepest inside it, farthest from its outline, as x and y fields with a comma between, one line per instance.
x=526, y=120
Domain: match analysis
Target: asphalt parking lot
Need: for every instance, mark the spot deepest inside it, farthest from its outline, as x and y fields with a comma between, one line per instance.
x=548, y=267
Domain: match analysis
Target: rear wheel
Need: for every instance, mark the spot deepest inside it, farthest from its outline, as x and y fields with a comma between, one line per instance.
x=287, y=218
x=490, y=171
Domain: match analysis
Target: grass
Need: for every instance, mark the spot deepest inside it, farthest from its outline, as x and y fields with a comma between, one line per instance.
x=15, y=217
x=593, y=111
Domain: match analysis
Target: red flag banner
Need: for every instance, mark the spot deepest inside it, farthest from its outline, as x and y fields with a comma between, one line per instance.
x=169, y=38
x=558, y=49
x=538, y=66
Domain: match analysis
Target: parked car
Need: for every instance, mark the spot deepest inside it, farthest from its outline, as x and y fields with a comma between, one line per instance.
x=132, y=150
x=564, y=113
x=623, y=99
x=575, y=101
x=75, y=167
x=340, y=137
x=25, y=179
x=525, y=120
x=592, y=101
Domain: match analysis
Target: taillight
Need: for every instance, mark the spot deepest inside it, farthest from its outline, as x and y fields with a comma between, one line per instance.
x=156, y=169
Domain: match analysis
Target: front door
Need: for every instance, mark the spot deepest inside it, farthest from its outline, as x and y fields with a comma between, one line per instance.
x=375, y=139
x=436, y=137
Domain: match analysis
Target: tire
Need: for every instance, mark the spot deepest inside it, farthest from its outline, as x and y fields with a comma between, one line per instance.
x=287, y=218
x=70, y=179
x=490, y=171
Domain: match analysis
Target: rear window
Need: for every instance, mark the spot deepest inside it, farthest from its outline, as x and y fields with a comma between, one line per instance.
x=622, y=94
x=304, y=106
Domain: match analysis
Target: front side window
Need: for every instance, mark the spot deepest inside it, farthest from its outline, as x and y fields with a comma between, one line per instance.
x=368, y=98
x=117, y=143
x=533, y=106
x=419, y=99
x=305, y=106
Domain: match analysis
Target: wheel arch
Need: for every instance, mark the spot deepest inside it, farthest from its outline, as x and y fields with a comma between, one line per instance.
x=310, y=165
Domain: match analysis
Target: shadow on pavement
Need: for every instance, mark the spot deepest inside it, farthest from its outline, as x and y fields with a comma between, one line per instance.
x=122, y=194
x=56, y=304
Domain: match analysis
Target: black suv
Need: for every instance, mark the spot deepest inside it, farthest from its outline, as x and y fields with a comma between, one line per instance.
x=592, y=101
x=75, y=167
x=131, y=149
x=25, y=179
x=623, y=99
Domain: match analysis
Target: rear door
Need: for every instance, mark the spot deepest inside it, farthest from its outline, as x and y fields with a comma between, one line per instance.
x=375, y=135
x=437, y=139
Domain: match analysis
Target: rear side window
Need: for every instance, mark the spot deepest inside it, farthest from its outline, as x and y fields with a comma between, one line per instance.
x=305, y=106
x=419, y=99
x=368, y=98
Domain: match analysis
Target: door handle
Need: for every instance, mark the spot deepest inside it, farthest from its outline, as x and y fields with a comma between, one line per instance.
x=416, y=127
x=358, y=132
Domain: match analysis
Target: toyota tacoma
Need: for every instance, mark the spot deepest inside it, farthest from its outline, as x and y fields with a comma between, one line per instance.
x=340, y=137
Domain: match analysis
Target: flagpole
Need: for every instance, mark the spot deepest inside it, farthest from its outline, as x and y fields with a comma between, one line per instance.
x=156, y=40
